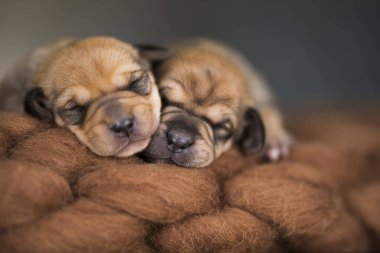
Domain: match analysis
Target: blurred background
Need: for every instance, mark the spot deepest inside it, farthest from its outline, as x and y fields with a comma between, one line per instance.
x=311, y=52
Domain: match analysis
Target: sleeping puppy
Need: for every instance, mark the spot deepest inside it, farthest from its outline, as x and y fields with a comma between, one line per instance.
x=100, y=88
x=212, y=98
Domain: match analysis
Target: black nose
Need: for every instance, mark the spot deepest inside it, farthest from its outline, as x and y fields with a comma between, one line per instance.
x=123, y=127
x=179, y=140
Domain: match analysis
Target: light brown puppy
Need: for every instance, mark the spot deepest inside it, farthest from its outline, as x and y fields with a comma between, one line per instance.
x=100, y=88
x=211, y=98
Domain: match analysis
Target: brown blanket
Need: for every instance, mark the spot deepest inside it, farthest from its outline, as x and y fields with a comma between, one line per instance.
x=56, y=196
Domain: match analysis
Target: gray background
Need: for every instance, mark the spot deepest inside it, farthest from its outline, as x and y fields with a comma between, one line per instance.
x=312, y=52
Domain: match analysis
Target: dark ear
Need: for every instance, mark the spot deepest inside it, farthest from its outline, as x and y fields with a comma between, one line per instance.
x=153, y=53
x=252, y=135
x=35, y=104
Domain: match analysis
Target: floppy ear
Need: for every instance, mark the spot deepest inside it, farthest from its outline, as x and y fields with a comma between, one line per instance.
x=153, y=53
x=35, y=104
x=252, y=134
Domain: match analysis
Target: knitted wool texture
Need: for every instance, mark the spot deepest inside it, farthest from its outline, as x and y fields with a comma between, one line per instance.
x=56, y=196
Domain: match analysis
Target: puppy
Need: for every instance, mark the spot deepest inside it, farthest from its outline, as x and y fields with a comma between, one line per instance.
x=100, y=88
x=212, y=97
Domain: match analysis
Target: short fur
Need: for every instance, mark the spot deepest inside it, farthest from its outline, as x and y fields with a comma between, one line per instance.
x=213, y=89
x=95, y=87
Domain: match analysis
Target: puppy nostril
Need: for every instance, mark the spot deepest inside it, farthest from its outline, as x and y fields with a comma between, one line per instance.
x=183, y=141
x=171, y=139
x=123, y=127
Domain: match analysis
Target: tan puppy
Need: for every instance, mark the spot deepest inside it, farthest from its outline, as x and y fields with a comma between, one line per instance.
x=213, y=97
x=100, y=88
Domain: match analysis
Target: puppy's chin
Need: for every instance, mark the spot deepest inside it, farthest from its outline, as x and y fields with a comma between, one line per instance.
x=193, y=158
x=199, y=155
x=100, y=141
x=132, y=148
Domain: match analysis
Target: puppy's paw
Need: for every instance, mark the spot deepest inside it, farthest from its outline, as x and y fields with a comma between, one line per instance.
x=278, y=145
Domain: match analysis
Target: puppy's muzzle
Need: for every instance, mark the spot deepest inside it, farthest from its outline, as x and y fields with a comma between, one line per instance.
x=181, y=140
x=120, y=119
x=118, y=125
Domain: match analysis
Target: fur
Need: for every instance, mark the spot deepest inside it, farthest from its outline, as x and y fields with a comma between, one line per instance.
x=89, y=86
x=210, y=87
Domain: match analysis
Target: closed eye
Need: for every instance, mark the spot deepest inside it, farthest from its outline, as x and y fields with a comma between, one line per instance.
x=223, y=130
x=140, y=85
x=73, y=114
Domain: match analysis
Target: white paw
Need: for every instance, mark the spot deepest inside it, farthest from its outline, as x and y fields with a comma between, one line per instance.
x=278, y=147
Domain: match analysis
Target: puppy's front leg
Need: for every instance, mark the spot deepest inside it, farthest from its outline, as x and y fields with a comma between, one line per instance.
x=278, y=140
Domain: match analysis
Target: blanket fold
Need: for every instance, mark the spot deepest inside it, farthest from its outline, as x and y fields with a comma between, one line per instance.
x=56, y=196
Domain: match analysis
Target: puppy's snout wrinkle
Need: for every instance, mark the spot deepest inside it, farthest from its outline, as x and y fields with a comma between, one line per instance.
x=179, y=139
x=123, y=127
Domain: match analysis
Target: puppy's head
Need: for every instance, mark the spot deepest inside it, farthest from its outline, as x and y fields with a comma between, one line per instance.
x=205, y=109
x=101, y=89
